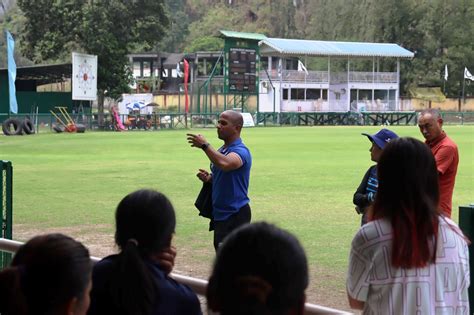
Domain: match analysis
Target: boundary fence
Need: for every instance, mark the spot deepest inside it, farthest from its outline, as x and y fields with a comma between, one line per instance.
x=176, y=120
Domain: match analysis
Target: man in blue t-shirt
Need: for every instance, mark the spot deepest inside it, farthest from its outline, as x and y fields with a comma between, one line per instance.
x=230, y=173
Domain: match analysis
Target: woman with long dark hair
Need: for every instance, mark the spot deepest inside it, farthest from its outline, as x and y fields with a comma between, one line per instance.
x=135, y=282
x=259, y=270
x=50, y=274
x=409, y=259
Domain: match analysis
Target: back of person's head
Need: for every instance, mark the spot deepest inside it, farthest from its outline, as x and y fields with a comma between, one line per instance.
x=145, y=217
x=259, y=269
x=145, y=223
x=50, y=274
x=408, y=196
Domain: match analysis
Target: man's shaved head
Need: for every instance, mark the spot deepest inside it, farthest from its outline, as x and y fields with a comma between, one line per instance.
x=234, y=117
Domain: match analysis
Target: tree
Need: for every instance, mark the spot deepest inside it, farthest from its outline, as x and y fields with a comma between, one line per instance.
x=110, y=29
x=451, y=25
x=174, y=39
x=207, y=43
x=203, y=33
x=11, y=20
x=438, y=31
x=278, y=18
x=50, y=27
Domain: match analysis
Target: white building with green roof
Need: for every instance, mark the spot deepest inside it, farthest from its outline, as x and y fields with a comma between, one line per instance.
x=349, y=76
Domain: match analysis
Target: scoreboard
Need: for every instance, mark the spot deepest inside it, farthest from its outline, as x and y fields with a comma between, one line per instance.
x=242, y=70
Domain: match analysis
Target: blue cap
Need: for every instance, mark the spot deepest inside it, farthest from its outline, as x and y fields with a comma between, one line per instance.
x=382, y=137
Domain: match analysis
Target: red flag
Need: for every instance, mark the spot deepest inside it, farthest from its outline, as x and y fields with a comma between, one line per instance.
x=186, y=77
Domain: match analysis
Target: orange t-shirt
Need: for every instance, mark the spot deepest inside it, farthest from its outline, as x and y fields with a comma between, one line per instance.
x=446, y=155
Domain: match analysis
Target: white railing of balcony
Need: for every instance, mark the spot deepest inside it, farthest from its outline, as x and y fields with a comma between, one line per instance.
x=337, y=77
x=377, y=77
x=297, y=76
x=197, y=285
x=364, y=77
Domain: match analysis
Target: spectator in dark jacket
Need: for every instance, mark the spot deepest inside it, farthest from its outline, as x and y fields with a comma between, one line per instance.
x=365, y=193
x=136, y=281
x=50, y=274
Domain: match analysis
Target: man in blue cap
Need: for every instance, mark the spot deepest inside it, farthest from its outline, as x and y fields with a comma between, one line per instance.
x=365, y=193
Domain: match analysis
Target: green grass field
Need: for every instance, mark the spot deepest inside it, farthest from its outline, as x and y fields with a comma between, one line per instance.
x=302, y=179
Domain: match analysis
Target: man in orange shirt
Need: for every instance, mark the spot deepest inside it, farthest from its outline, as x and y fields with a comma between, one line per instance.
x=445, y=152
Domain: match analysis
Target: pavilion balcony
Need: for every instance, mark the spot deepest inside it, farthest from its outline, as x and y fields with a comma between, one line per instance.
x=336, y=77
x=297, y=76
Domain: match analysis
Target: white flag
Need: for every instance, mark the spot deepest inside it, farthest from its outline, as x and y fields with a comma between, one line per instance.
x=468, y=75
x=301, y=67
x=178, y=70
x=445, y=72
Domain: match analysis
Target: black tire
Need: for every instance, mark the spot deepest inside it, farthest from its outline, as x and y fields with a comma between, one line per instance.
x=141, y=124
x=58, y=128
x=28, y=127
x=80, y=128
x=12, y=122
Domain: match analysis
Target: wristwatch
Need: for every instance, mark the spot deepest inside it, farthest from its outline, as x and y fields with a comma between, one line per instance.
x=204, y=146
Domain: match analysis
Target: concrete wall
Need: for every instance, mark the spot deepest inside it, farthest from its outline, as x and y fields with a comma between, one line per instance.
x=450, y=104
x=175, y=102
x=215, y=102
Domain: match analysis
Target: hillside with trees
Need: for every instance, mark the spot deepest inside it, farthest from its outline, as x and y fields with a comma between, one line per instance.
x=440, y=32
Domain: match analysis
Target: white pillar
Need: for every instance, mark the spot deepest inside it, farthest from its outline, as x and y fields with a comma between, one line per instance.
x=348, y=90
x=329, y=70
x=280, y=67
x=357, y=97
x=373, y=70
x=328, y=92
x=397, y=91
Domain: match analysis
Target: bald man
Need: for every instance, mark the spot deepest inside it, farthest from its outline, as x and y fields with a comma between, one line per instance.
x=446, y=155
x=230, y=173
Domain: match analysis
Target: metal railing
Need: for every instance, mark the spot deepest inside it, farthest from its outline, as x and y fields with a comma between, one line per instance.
x=296, y=76
x=336, y=77
x=6, y=199
x=458, y=118
x=197, y=285
x=177, y=120
x=369, y=77
x=364, y=77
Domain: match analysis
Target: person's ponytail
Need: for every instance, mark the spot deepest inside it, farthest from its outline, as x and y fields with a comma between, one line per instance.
x=132, y=288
